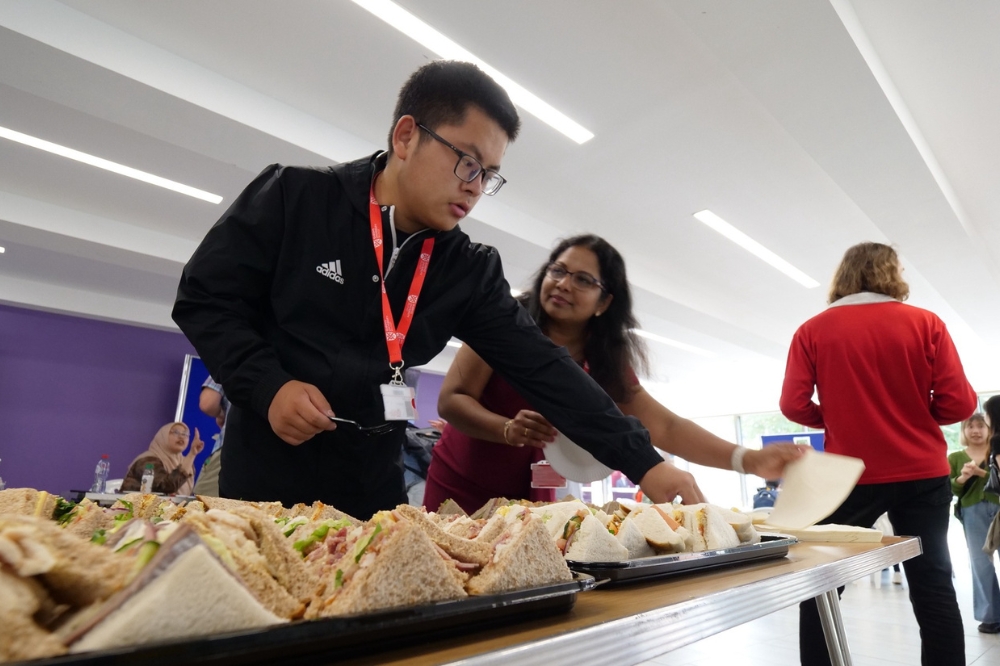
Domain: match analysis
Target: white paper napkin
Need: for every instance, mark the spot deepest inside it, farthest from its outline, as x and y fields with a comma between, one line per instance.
x=813, y=487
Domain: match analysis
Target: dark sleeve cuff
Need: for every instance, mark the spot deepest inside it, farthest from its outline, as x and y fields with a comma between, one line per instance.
x=265, y=390
x=645, y=459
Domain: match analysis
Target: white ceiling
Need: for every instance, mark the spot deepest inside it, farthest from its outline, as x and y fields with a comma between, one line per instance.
x=809, y=124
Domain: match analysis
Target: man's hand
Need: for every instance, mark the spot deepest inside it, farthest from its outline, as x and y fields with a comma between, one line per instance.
x=769, y=462
x=663, y=482
x=298, y=412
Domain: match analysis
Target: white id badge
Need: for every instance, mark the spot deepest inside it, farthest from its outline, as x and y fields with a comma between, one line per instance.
x=400, y=403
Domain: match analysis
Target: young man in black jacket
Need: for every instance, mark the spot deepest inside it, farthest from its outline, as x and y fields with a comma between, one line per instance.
x=284, y=301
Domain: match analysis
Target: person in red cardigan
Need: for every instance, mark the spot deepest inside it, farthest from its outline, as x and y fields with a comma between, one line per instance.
x=887, y=376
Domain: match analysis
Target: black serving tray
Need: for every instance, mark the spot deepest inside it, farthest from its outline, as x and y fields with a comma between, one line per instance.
x=333, y=639
x=771, y=546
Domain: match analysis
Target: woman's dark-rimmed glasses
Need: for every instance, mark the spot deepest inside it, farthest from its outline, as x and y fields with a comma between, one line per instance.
x=579, y=279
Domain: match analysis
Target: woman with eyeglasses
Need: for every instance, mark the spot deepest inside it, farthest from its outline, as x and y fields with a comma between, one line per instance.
x=581, y=301
x=173, y=472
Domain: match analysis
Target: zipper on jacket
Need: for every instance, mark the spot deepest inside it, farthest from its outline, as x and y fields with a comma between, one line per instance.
x=396, y=250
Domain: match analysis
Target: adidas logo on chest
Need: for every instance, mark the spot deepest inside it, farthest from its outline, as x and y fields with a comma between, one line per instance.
x=331, y=270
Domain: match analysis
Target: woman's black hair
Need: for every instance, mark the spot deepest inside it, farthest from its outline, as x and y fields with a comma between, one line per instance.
x=612, y=350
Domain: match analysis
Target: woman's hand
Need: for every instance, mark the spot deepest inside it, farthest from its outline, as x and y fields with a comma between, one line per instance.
x=187, y=462
x=663, y=482
x=529, y=429
x=969, y=470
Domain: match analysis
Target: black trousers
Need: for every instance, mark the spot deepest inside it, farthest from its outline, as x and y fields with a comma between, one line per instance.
x=916, y=508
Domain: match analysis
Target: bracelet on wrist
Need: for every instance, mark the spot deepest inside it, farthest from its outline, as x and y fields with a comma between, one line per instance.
x=506, y=427
x=736, y=459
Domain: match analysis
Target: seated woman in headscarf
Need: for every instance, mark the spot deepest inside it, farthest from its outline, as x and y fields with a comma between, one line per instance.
x=173, y=472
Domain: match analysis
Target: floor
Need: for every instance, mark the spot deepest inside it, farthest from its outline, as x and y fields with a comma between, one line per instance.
x=880, y=627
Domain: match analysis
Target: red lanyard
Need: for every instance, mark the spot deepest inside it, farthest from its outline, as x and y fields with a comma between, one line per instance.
x=396, y=336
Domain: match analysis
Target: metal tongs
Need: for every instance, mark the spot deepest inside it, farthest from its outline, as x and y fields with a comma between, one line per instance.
x=380, y=429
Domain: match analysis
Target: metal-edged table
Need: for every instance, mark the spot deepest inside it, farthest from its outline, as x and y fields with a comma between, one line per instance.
x=631, y=623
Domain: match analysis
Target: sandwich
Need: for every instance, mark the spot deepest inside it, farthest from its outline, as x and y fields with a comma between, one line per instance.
x=46, y=574
x=622, y=525
x=656, y=530
x=523, y=556
x=87, y=520
x=317, y=512
x=241, y=548
x=225, y=504
x=708, y=527
x=28, y=502
x=386, y=564
x=584, y=539
x=73, y=570
x=497, y=523
x=184, y=592
x=450, y=507
x=742, y=524
x=555, y=515
x=462, y=550
x=487, y=510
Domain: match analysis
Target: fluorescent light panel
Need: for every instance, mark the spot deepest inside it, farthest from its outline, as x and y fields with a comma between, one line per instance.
x=715, y=222
x=424, y=34
x=2, y=250
x=673, y=343
x=108, y=165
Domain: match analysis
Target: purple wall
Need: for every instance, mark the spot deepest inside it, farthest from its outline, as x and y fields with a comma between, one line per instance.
x=72, y=389
x=428, y=387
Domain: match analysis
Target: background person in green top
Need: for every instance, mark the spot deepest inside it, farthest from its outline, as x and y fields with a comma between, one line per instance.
x=968, y=477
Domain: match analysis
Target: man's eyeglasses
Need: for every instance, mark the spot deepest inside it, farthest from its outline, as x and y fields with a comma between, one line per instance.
x=468, y=168
x=579, y=280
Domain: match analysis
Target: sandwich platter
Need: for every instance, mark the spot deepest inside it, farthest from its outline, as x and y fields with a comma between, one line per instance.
x=346, y=637
x=771, y=546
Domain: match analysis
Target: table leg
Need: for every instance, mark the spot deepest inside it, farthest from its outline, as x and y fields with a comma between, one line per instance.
x=828, y=605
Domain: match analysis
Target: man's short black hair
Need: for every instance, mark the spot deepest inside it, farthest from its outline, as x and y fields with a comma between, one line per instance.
x=440, y=93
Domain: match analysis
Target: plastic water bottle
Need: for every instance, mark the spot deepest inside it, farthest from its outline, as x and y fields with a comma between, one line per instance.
x=146, y=485
x=101, y=475
x=3, y=486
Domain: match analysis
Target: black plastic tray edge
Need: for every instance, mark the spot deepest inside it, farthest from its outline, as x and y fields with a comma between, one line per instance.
x=336, y=639
x=771, y=546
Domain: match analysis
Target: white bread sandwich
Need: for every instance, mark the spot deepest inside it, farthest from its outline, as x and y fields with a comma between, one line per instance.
x=584, y=539
x=274, y=509
x=657, y=531
x=708, y=527
x=524, y=556
x=630, y=535
x=743, y=524
x=184, y=592
x=555, y=515
x=386, y=564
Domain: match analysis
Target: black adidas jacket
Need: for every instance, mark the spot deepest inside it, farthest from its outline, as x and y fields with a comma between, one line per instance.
x=285, y=286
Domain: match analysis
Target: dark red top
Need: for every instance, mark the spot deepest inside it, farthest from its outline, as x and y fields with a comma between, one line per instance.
x=472, y=471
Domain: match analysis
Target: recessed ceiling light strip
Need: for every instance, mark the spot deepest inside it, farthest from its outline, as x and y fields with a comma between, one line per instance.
x=108, y=165
x=715, y=222
x=672, y=343
x=424, y=34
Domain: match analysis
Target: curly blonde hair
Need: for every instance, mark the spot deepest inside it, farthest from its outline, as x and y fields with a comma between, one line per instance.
x=870, y=267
